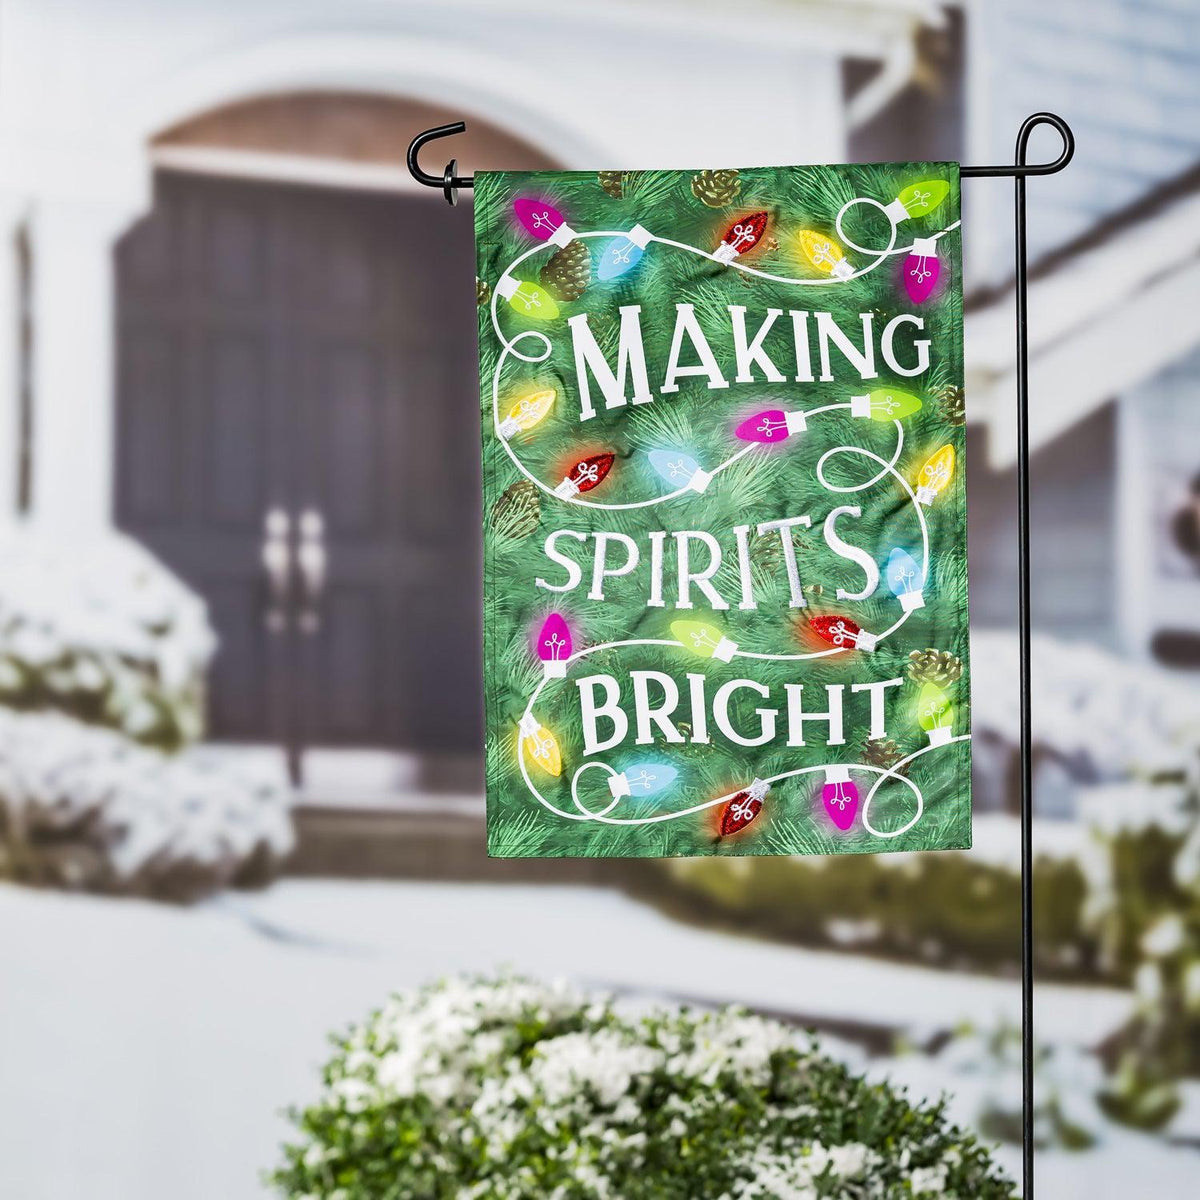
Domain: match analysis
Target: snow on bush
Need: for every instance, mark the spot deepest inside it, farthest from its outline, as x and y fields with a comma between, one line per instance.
x=1103, y=715
x=510, y=1090
x=98, y=628
x=85, y=807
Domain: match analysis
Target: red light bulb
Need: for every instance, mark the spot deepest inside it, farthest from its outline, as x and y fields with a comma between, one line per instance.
x=741, y=809
x=771, y=427
x=586, y=474
x=554, y=645
x=741, y=236
x=841, y=631
x=543, y=220
x=922, y=269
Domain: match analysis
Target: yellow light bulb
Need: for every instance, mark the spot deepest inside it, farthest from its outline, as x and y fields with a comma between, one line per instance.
x=935, y=474
x=527, y=299
x=824, y=253
x=527, y=412
x=703, y=639
x=540, y=745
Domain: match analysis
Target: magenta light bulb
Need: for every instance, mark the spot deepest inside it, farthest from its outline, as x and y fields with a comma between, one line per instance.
x=840, y=795
x=554, y=646
x=543, y=220
x=922, y=269
x=773, y=425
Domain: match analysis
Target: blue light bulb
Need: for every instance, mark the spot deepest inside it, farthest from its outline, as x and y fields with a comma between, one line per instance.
x=643, y=779
x=619, y=256
x=906, y=579
x=679, y=470
x=624, y=253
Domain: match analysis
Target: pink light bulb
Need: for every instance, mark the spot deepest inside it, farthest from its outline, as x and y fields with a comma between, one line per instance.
x=539, y=218
x=922, y=269
x=554, y=646
x=771, y=426
x=840, y=795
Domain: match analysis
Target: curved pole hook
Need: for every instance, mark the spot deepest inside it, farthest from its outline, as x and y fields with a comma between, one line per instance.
x=1021, y=169
x=450, y=181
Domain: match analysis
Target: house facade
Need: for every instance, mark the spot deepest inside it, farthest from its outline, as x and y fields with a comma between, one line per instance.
x=234, y=328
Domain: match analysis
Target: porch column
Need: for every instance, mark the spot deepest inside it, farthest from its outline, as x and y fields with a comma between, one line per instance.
x=73, y=360
x=11, y=211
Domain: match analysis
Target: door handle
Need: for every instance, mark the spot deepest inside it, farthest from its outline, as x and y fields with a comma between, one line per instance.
x=313, y=561
x=277, y=564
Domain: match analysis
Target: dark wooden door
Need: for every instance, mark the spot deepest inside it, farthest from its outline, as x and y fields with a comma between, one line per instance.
x=301, y=361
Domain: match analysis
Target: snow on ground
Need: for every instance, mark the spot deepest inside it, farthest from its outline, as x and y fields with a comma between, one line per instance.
x=146, y=1052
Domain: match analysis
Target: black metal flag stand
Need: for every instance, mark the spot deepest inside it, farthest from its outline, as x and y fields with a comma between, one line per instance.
x=450, y=181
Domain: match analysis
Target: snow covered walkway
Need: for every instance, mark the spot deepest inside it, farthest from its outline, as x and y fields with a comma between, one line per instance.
x=146, y=1051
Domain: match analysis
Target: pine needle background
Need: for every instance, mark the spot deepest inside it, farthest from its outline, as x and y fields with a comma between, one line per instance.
x=767, y=484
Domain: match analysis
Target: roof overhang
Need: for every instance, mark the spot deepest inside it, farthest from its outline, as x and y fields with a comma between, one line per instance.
x=1101, y=321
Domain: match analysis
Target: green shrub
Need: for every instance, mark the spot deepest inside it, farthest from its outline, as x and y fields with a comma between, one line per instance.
x=508, y=1090
x=946, y=909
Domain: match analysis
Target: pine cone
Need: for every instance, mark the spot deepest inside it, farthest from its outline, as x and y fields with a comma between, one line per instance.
x=517, y=512
x=934, y=666
x=612, y=183
x=954, y=404
x=568, y=272
x=716, y=188
x=483, y=291
x=881, y=752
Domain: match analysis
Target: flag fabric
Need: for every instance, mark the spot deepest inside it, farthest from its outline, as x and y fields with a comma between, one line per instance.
x=725, y=574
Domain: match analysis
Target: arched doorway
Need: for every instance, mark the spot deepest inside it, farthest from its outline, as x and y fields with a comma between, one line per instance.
x=297, y=420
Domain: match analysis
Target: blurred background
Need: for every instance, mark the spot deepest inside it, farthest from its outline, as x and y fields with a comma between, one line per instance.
x=240, y=774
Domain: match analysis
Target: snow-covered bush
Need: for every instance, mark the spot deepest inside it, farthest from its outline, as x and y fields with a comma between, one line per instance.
x=84, y=807
x=98, y=628
x=505, y=1089
x=1101, y=715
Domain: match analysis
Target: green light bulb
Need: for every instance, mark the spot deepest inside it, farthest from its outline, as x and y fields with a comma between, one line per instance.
x=935, y=713
x=703, y=639
x=918, y=199
x=527, y=299
x=885, y=404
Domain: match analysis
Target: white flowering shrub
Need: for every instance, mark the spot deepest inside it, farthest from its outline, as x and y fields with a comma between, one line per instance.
x=476, y=1089
x=84, y=807
x=98, y=628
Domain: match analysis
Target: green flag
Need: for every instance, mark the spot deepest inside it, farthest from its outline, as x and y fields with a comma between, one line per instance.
x=725, y=580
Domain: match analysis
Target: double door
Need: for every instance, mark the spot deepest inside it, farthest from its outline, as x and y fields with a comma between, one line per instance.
x=297, y=438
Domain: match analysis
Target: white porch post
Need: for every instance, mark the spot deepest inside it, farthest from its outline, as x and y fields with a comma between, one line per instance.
x=11, y=210
x=73, y=360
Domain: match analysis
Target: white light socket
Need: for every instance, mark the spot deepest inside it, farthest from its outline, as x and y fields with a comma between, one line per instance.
x=618, y=785
x=911, y=601
x=725, y=650
x=797, y=422
x=860, y=406
x=941, y=735
x=555, y=668
x=866, y=641
x=699, y=481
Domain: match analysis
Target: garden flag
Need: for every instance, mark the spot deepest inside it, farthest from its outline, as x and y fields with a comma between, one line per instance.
x=725, y=570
